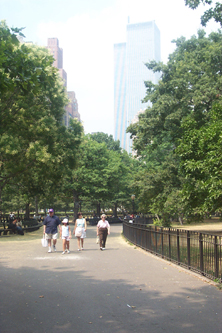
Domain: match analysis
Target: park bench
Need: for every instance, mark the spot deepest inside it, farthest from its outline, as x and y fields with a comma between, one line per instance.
x=27, y=226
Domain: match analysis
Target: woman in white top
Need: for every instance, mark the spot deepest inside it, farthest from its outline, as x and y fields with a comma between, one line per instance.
x=103, y=229
x=80, y=230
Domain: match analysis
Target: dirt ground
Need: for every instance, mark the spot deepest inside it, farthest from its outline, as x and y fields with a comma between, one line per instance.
x=213, y=226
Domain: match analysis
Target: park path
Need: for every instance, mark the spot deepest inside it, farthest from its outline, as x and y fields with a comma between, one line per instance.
x=122, y=289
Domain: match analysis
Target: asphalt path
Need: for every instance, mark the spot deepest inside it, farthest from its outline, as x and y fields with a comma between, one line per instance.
x=122, y=289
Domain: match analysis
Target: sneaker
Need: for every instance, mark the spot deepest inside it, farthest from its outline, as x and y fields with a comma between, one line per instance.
x=63, y=252
x=50, y=250
x=103, y=248
x=54, y=248
x=68, y=251
x=79, y=250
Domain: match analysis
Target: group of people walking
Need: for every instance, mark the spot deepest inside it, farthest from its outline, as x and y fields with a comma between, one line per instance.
x=50, y=231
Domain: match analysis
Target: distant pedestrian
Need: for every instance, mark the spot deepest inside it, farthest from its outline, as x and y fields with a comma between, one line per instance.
x=50, y=230
x=65, y=234
x=103, y=229
x=80, y=230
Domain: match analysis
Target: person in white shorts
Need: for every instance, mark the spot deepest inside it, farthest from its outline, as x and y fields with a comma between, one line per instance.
x=65, y=234
x=50, y=230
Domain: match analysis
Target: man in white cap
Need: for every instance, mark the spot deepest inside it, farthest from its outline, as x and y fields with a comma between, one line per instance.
x=50, y=230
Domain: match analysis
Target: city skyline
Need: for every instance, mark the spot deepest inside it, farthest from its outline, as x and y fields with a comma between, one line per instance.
x=87, y=32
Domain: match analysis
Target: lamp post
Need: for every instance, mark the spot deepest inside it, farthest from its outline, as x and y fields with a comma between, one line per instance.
x=133, y=198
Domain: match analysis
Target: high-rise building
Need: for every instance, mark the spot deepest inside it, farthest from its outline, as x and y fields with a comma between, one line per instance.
x=72, y=107
x=71, y=110
x=142, y=45
x=57, y=52
x=120, y=101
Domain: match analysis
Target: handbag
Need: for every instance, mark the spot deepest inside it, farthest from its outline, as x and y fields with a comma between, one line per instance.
x=44, y=241
x=78, y=232
x=97, y=240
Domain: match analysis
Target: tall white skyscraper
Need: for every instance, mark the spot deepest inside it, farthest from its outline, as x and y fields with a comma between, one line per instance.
x=142, y=45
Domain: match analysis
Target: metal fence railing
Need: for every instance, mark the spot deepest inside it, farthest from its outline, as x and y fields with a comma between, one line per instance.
x=200, y=252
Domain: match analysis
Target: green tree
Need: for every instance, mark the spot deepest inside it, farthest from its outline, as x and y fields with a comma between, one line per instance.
x=190, y=84
x=124, y=166
x=213, y=12
x=34, y=145
x=111, y=144
x=100, y=176
x=201, y=163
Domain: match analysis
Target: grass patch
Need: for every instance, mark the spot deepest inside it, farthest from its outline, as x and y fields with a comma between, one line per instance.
x=28, y=236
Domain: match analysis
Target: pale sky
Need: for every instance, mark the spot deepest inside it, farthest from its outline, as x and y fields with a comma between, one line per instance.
x=87, y=31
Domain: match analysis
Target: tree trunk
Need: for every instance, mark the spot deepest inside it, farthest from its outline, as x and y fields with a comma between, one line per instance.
x=27, y=211
x=76, y=205
x=0, y=199
x=115, y=210
x=98, y=209
x=36, y=206
x=181, y=220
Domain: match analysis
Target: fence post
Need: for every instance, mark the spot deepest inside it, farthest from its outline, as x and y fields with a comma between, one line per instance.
x=149, y=238
x=216, y=263
x=162, y=241
x=188, y=249
x=155, y=238
x=169, y=243
x=201, y=252
x=178, y=246
x=146, y=239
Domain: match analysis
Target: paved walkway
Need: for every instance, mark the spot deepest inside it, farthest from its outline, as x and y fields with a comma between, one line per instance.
x=121, y=289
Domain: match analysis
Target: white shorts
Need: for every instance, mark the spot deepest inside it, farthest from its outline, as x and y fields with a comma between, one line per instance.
x=51, y=236
x=66, y=238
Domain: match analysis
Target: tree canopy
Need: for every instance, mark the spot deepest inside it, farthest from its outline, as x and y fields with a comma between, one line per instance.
x=102, y=176
x=214, y=12
x=189, y=87
x=35, y=146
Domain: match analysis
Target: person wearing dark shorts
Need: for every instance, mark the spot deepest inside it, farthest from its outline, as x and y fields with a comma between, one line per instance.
x=50, y=229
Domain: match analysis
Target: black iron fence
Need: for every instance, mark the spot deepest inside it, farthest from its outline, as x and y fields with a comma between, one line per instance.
x=199, y=252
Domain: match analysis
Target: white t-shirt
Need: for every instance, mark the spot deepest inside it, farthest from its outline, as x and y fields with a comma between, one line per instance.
x=103, y=224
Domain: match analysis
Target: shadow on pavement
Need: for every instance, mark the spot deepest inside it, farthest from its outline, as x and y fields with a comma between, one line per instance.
x=64, y=298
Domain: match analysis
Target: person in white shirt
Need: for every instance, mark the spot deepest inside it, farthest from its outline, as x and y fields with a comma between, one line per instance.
x=103, y=229
x=65, y=234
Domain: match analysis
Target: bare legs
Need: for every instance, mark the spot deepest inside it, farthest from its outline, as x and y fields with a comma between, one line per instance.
x=78, y=242
x=65, y=245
